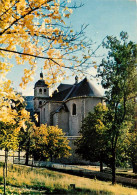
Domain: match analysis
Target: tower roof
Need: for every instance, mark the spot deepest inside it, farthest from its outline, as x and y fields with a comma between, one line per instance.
x=41, y=82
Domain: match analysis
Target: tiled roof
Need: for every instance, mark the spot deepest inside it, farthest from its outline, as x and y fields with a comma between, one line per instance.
x=60, y=95
x=63, y=87
x=85, y=88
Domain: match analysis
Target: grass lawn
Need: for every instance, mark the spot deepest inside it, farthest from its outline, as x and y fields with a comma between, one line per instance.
x=25, y=180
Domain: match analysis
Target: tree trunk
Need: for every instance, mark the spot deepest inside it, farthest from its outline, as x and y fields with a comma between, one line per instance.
x=4, y=177
x=51, y=158
x=113, y=167
x=5, y=169
x=19, y=153
x=27, y=157
x=6, y=161
x=101, y=166
x=134, y=167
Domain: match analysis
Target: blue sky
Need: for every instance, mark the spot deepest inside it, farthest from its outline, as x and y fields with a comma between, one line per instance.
x=107, y=17
x=104, y=17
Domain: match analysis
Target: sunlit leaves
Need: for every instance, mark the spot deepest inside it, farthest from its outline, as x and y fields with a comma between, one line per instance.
x=49, y=142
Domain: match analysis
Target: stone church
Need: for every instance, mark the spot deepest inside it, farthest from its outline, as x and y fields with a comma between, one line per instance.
x=67, y=106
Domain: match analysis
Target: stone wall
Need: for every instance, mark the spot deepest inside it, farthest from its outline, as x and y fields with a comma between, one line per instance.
x=61, y=119
x=83, y=106
x=73, y=158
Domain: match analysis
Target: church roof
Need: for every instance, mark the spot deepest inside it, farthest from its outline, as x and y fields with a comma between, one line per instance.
x=59, y=96
x=63, y=87
x=83, y=88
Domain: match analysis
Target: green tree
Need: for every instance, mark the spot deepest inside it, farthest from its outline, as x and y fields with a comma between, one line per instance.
x=49, y=142
x=132, y=142
x=93, y=144
x=118, y=73
x=95, y=141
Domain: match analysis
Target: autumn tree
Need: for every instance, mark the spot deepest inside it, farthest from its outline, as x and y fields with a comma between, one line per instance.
x=49, y=142
x=9, y=130
x=118, y=74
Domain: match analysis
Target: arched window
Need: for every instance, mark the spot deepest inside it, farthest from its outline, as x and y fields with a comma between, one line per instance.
x=74, y=109
x=40, y=91
x=45, y=90
x=40, y=103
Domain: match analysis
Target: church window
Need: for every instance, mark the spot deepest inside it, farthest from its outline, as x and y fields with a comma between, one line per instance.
x=74, y=109
x=40, y=103
x=45, y=90
x=40, y=91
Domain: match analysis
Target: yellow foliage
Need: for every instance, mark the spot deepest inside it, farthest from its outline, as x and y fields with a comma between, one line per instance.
x=50, y=141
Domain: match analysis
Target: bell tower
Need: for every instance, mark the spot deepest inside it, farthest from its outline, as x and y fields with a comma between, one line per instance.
x=41, y=94
x=41, y=89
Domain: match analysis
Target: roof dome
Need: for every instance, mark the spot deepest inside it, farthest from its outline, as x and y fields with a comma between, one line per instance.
x=41, y=82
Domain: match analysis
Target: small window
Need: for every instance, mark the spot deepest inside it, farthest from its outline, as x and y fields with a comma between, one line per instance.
x=74, y=109
x=40, y=91
x=40, y=103
x=45, y=90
